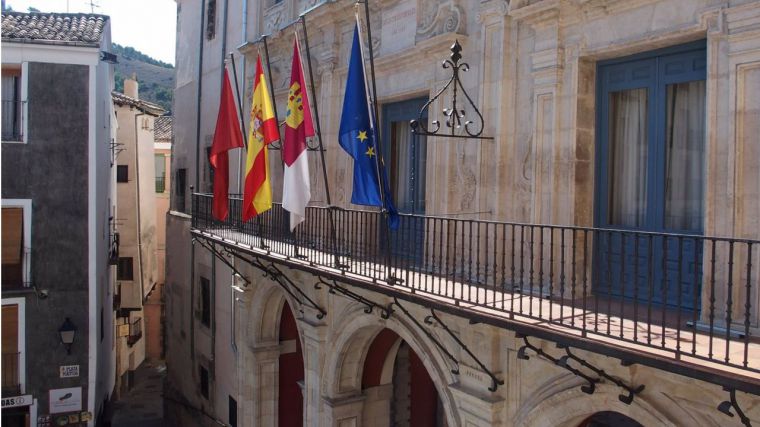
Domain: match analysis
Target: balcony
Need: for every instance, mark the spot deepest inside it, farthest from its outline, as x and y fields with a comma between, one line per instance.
x=11, y=377
x=13, y=120
x=135, y=332
x=684, y=303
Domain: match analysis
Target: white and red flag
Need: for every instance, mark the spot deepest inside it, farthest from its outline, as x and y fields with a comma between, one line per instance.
x=296, y=191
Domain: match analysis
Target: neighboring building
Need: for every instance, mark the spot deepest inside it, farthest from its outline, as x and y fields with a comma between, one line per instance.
x=57, y=202
x=154, y=306
x=137, y=267
x=571, y=257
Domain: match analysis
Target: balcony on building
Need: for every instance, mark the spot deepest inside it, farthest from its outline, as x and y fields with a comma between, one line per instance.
x=686, y=299
x=135, y=331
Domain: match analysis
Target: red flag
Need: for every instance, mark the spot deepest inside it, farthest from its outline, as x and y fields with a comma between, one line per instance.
x=227, y=136
x=296, y=190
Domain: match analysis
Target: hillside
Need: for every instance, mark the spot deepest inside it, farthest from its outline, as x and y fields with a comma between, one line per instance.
x=156, y=78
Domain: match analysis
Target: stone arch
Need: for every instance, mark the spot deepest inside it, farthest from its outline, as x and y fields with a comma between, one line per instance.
x=342, y=375
x=264, y=312
x=569, y=406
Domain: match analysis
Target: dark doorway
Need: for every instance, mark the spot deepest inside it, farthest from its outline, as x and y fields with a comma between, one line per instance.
x=291, y=373
x=609, y=419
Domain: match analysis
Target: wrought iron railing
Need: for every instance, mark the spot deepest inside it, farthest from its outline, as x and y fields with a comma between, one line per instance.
x=693, y=296
x=160, y=184
x=13, y=120
x=11, y=374
x=17, y=275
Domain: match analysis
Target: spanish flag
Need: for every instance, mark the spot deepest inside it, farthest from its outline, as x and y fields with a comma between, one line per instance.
x=257, y=196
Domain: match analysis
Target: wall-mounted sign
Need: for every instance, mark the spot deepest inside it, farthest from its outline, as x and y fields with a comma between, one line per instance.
x=12, y=402
x=122, y=330
x=65, y=400
x=69, y=371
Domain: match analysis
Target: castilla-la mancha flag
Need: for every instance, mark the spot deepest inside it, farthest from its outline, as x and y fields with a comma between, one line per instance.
x=257, y=195
x=227, y=136
x=296, y=188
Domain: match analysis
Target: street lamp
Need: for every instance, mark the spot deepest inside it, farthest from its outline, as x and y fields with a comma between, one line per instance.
x=67, y=331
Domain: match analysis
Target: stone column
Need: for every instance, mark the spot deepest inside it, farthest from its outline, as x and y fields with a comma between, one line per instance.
x=314, y=343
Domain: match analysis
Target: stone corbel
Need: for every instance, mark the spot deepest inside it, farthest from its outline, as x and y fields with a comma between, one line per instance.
x=492, y=11
x=714, y=22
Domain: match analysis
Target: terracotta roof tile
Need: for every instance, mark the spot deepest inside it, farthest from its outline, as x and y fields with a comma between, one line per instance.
x=67, y=28
x=144, y=106
x=162, y=129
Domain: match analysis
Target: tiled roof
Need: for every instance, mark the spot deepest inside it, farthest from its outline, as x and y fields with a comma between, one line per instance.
x=144, y=106
x=65, y=28
x=162, y=129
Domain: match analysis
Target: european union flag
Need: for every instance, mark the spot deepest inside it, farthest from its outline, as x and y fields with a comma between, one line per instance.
x=357, y=137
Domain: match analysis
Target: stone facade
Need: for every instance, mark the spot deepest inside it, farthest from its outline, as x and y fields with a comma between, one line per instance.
x=533, y=75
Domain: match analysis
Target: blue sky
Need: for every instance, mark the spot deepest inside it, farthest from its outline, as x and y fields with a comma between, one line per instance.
x=149, y=26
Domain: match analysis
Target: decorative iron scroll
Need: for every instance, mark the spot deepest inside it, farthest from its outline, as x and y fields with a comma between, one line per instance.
x=725, y=407
x=454, y=115
x=433, y=319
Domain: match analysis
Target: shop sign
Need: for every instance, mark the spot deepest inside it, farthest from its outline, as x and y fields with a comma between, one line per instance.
x=69, y=371
x=12, y=402
x=65, y=400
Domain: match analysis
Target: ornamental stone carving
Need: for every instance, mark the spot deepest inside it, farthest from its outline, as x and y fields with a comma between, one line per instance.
x=439, y=18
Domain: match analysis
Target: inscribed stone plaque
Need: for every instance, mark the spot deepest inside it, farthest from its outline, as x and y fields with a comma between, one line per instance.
x=399, y=27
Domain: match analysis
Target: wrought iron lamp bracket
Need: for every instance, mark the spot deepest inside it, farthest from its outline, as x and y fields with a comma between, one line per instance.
x=522, y=353
x=632, y=391
x=433, y=319
x=221, y=256
x=726, y=406
x=455, y=115
x=276, y=275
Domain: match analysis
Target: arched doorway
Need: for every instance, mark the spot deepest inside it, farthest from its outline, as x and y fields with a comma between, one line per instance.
x=609, y=419
x=291, y=372
x=397, y=386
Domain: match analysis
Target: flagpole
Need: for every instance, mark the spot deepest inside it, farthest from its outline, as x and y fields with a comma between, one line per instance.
x=319, y=136
x=316, y=109
x=379, y=152
x=271, y=86
x=239, y=101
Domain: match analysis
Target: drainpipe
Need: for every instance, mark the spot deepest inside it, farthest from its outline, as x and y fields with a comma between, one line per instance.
x=198, y=100
x=139, y=220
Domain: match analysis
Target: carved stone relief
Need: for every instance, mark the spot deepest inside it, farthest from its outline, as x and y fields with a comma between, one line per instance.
x=436, y=18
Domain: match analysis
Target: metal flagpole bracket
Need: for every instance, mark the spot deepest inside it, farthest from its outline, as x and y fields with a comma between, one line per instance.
x=455, y=115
